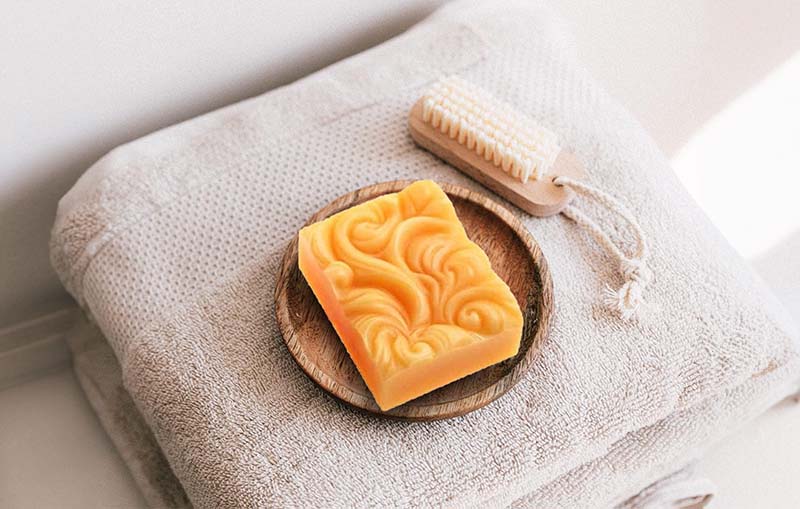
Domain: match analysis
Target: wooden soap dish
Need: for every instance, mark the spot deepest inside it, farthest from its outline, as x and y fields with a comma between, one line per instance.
x=515, y=257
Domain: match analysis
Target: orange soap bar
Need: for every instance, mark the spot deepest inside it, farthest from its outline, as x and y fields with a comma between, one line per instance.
x=415, y=302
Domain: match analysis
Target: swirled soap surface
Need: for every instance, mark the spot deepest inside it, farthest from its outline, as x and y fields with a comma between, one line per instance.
x=415, y=302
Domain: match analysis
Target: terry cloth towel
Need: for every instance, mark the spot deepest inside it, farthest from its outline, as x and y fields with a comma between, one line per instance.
x=100, y=376
x=171, y=244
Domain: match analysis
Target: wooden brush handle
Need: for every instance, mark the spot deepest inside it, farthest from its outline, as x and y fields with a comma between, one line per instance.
x=540, y=198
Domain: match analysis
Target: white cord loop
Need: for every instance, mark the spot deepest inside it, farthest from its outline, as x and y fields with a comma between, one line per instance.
x=635, y=272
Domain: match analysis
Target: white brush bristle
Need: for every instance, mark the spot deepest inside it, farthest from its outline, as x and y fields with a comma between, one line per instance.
x=491, y=128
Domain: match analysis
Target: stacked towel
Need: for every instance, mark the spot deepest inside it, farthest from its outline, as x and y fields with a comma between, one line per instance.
x=171, y=244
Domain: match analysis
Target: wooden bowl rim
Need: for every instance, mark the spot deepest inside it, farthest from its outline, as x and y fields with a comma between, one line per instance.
x=435, y=411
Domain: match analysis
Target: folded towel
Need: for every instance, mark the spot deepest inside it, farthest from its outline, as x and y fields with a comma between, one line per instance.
x=171, y=244
x=100, y=376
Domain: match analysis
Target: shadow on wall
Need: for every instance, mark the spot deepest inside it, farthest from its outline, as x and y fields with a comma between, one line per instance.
x=676, y=64
x=742, y=165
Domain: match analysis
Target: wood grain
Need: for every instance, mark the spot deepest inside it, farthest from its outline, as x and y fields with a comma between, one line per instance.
x=541, y=198
x=515, y=257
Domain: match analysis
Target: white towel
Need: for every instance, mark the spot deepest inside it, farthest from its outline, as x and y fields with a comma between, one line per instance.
x=171, y=243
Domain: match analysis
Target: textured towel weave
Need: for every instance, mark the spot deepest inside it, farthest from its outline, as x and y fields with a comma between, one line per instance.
x=172, y=244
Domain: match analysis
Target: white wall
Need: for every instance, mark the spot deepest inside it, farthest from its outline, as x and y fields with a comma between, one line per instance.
x=79, y=77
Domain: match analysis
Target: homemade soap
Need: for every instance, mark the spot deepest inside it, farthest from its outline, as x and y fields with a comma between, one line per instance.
x=415, y=302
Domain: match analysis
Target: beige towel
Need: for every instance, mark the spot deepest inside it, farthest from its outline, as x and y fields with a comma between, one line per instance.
x=172, y=242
